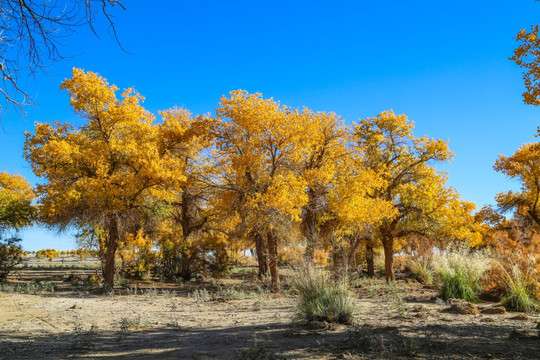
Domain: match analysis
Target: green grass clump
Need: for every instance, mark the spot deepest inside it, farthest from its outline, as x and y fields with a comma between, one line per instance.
x=460, y=272
x=518, y=295
x=321, y=299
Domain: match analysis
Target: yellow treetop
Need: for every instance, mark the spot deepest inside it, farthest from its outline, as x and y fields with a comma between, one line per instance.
x=421, y=201
x=258, y=148
x=16, y=197
x=117, y=167
x=112, y=161
x=524, y=166
x=527, y=55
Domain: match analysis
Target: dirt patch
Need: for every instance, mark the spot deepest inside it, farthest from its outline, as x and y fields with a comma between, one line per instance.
x=235, y=318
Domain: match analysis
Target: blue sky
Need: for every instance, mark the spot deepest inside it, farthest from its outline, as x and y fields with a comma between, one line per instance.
x=444, y=64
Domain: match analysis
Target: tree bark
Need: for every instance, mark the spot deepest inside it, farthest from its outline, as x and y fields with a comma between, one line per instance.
x=340, y=263
x=261, y=249
x=309, y=227
x=190, y=213
x=112, y=245
x=271, y=238
x=388, y=245
x=350, y=256
x=534, y=216
x=309, y=255
x=370, y=259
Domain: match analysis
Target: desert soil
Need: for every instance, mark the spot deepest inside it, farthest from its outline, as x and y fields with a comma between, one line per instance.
x=235, y=318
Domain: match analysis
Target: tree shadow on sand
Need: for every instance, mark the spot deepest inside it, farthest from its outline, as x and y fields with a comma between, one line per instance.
x=278, y=340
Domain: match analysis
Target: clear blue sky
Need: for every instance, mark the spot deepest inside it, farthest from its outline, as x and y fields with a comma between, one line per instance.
x=444, y=64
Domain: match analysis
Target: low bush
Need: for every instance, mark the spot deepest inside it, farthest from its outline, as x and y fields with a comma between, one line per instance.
x=10, y=255
x=257, y=351
x=379, y=265
x=321, y=299
x=421, y=268
x=460, y=271
x=32, y=287
x=518, y=289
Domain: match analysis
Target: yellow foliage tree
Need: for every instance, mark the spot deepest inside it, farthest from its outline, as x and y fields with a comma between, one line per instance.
x=527, y=56
x=351, y=210
x=184, y=234
x=16, y=196
x=115, y=165
x=524, y=165
x=417, y=192
x=137, y=255
x=16, y=211
x=258, y=150
x=325, y=147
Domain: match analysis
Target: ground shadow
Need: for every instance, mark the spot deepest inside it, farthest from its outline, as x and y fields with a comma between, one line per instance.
x=282, y=341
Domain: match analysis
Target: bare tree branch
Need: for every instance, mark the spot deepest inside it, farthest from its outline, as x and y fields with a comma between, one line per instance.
x=30, y=35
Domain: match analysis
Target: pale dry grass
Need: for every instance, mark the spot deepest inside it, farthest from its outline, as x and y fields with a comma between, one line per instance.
x=460, y=272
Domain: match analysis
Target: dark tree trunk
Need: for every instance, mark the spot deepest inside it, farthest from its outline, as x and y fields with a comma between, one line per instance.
x=340, y=263
x=309, y=227
x=534, y=215
x=191, y=221
x=370, y=259
x=271, y=238
x=190, y=213
x=262, y=254
x=388, y=245
x=354, y=242
x=112, y=245
x=187, y=264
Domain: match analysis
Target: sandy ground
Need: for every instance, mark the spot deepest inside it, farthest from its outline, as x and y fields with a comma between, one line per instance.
x=234, y=319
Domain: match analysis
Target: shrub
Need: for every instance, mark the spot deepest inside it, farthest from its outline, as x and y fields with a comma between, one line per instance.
x=320, y=257
x=136, y=255
x=460, y=271
x=396, y=304
x=379, y=265
x=421, y=268
x=48, y=253
x=10, y=255
x=518, y=290
x=33, y=287
x=256, y=351
x=291, y=256
x=197, y=256
x=83, y=339
x=319, y=298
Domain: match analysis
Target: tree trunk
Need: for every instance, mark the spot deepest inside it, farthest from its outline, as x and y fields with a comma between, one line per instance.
x=271, y=238
x=112, y=245
x=350, y=256
x=309, y=255
x=309, y=227
x=262, y=254
x=370, y=259
x=189, y=213
x=340, y=263
x=534, y=215
x=388, y=245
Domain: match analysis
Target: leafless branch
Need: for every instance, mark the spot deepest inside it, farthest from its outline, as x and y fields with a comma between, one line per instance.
x=30, y=35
